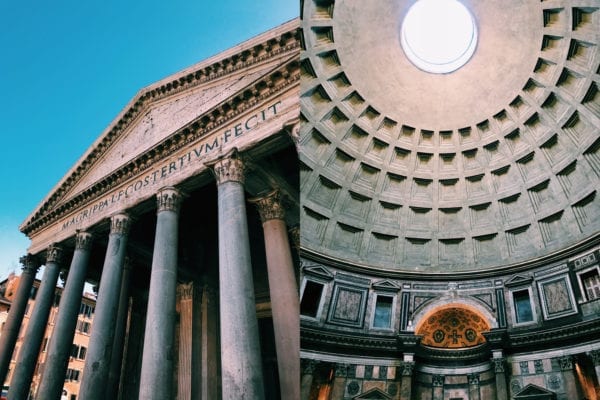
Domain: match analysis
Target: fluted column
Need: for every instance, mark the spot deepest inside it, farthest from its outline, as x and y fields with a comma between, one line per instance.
x=283, y=292
x=10, y=333
x=185, y=295
x=474, y=393
x=60, y=344
x=308, y=373
x=572, y=387
x=97, y=361
x=241, y=365
x=156, y=380
x=28, y=356
x=116, y=358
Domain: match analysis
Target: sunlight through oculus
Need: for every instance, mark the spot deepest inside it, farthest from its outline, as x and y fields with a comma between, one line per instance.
x=438, y=36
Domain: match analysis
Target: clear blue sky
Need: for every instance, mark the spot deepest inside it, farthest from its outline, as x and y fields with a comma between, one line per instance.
x=68, y=67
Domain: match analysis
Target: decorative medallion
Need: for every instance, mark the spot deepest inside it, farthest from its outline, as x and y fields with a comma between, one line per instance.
x=353, y=388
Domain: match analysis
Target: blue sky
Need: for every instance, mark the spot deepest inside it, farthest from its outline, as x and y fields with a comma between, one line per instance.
x=68, y=67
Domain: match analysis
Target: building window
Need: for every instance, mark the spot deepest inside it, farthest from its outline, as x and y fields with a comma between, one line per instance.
x=44, y=345
x=72, y=375
x=82, y=352
x=83, y=327
x=383, y=312
x=33, y=292
x=86, y=310
x=522, y=303
x=590, y=281
x=311, y=299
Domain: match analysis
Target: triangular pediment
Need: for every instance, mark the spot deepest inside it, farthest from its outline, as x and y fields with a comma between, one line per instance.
x=373, y=394
x=518, y=280
x=318, y=270
x=182, y=109
x=386, y=285
x=534, y=392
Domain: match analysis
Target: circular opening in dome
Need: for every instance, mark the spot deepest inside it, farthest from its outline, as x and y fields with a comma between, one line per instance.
x=438, y=36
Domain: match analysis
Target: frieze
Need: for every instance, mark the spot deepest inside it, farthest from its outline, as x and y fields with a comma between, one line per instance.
x=286, y=42
x=195, y=130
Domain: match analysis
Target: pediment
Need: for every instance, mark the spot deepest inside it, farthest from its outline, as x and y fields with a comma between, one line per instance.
x=386, y=284
x=534, y=392
x=518, y=280
x=373, y=394
x=178, y=112
x=318, y=270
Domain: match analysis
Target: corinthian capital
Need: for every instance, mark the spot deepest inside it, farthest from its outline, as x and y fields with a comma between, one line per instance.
x=269, y=206
x=120, y=224
x=54, y=254
x=83, y=240
x=168, y=199
x=30, y=264
x=229, y=169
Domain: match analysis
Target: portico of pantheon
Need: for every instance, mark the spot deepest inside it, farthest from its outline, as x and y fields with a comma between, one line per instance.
x=183, y=212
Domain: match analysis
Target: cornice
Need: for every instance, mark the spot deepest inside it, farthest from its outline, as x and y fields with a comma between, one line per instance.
x=569, y=333
x=287, y=42
x=318, y=337
x=279, y=79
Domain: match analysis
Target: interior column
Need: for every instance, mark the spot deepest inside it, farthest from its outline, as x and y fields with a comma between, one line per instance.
x=28, y=356
x=241, y=365
x=10, y=333
x=97, y=362
x=59, y=348
x=283, y=292
x=156, y=381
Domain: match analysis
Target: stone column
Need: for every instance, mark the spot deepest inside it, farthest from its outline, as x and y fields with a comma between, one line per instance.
x=595, y=356
x=28, y=356
x=474, y=393
x=116, y=358
x=572, y=387
x=338, y=387
x=308, y=372
x=406, y=383
x=184, y=377
x=241, y=365
x=59, y=348
x=156, y=380
x=498, y=364
x=438, y=387
x=12, y=326
x=97, y=360
x=283, y=292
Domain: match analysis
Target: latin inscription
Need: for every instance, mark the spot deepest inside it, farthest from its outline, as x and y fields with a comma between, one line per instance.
x=159, y=174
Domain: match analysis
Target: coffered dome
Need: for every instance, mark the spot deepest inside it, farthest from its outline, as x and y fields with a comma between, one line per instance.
x=491, y=165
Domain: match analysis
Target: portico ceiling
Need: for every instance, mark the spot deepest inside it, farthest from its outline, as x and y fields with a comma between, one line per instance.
x=494, y=164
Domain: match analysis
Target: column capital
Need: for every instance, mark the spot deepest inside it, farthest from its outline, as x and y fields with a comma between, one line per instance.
x=229, y=169
x=269, y=206
x=408, y=368
x=83, y=240
x=30, y=264
x=595, y=356
x=168, y=199
x=308, y=366
x=438, y=380
x=120, y=223
x=473, y=379
x=566, y=363
x=54, y=254
x=341, y=370
x=498, y=364
x=185, y=291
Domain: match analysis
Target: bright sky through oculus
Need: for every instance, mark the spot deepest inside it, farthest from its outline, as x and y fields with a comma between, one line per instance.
x=438, y=36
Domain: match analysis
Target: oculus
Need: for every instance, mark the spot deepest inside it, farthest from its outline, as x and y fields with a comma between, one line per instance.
x=438, y=36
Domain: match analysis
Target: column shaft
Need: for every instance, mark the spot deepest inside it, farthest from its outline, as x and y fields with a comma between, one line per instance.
x=25, y=368
x=209, y=343
x=406, y=383
x=501, y=388
x=184, y=372
x=116, y=359
x=283, y=292
x=10, y=333
x=59, y=348
x=474, y=393
x=308, y=370
x=438, y=387
x=97, y=361
x=156, y=380
x=241, y=365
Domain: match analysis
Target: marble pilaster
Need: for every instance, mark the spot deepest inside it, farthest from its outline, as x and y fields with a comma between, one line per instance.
x=184, y=376
x=308, y=373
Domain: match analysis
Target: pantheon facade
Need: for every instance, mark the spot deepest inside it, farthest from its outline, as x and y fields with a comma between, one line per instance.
x=450, y=210
x=184, y=214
